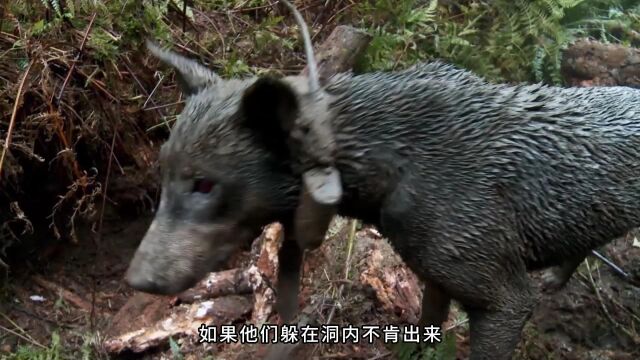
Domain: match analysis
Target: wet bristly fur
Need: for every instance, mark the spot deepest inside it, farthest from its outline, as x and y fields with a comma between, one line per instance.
x=560, y=165
x=473, y=183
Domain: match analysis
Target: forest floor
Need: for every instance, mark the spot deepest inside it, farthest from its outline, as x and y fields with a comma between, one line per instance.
x=76, y=295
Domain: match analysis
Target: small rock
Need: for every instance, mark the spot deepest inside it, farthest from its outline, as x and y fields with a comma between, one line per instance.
x=37, y=298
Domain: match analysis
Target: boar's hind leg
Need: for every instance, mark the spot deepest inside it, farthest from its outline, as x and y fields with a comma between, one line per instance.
x=555, y=278
x=495, y=330
x=492, y=285
x=290, y=260
x=435, y=305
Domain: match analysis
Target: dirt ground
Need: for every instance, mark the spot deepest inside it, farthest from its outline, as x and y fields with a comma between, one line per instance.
x=77, y=293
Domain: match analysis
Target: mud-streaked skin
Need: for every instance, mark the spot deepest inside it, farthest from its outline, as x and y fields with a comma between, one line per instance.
x=473, y=183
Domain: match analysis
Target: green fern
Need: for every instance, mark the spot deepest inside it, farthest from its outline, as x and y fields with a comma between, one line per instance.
x=537, y=65
x=400, y=30
x=55, y=351
x=53, y=4
x=71, y=8
x=513, y=40
x=56, y=6
x=445, y=350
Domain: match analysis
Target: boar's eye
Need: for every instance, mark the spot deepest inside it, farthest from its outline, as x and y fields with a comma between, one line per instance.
x=203, y=186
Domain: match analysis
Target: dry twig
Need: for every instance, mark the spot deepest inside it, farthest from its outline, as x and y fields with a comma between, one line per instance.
x=73, y=64
x=7, y=141
x=66, y=294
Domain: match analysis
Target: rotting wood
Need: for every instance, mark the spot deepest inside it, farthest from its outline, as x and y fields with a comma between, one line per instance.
x=592, y=63
x=182, y=321
x=263, y=271
x=218, y=284
x=340, y=51
x=146, y=309
x=153, y=311
x=397, y=289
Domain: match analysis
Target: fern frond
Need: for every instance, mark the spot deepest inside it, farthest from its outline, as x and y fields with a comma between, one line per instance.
x=56, y=6
x=71, y=8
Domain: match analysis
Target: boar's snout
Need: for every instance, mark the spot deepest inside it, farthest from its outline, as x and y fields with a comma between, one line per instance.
x=173, y=257
x=142, y=277
x=139, y=280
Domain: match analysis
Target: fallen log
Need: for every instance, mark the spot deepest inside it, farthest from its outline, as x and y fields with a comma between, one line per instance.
x=157, y=318
x=183, y=321
x=234, y=281
x=340, y=51
x=592, y=63
x=145, y=309
x=398, y=291
x=262, y=273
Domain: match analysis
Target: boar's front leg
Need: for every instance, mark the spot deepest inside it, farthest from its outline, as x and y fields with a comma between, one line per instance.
x=311, y=221
x=289, y=262
x=435, y=310
x=435, y=305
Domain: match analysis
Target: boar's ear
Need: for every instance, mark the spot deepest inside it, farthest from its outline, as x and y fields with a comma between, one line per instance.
x=192, y=76
x=270, y=108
